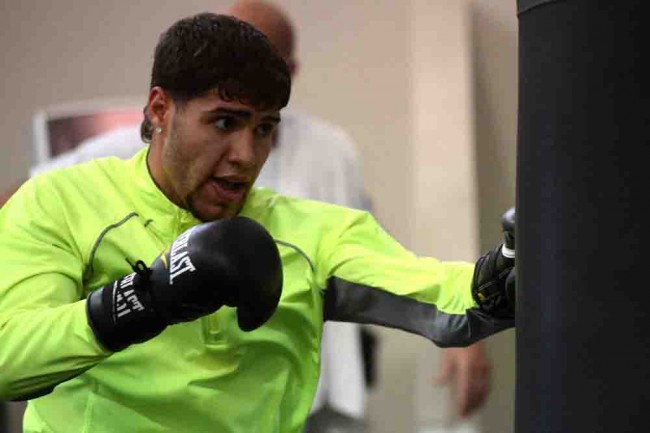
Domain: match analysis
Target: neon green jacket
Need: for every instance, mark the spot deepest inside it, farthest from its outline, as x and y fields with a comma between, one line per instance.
x=69, y=232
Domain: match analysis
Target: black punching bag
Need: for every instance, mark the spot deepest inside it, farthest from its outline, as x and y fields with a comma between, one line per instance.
x=583, y=211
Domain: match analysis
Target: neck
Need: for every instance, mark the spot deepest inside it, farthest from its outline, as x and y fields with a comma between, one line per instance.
x=154, y=165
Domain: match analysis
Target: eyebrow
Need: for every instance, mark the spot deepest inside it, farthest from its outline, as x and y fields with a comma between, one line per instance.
x=244, y=114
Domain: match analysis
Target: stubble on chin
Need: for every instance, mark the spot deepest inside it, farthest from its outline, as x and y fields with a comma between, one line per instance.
x=224, y=210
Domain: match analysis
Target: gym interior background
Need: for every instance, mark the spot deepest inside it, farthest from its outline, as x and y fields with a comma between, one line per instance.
x=428, y=88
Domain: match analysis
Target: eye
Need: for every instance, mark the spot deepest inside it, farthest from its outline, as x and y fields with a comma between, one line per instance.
x=225, y=123
x=264, y=129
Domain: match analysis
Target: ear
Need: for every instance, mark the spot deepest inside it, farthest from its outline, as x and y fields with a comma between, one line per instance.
x=293, y=64
x=159, y=108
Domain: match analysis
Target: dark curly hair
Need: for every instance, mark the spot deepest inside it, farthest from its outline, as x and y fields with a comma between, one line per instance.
x=217, y=52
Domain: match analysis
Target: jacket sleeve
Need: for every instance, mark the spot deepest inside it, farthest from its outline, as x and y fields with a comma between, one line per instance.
x=370, y=278
x=44, y=335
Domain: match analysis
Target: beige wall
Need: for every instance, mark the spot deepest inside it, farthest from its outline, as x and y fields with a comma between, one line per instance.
x=444, y=182
x=366, y=65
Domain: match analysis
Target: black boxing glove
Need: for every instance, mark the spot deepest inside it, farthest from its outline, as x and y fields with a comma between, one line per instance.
x=493, y=284
x=508, y=225
x=232, y=262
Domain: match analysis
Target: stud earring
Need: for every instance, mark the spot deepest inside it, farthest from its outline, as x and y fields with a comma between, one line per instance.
x=157, y=130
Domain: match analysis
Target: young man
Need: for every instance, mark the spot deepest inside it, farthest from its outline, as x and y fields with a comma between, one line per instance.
x=160, y=349
x=316, y=160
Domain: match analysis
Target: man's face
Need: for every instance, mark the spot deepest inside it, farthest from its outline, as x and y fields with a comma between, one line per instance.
x=210, y=152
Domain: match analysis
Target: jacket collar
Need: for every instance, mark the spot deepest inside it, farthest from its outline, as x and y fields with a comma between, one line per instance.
x=166, y=218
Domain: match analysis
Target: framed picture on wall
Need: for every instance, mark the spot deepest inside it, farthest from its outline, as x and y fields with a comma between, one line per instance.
x=60, y=128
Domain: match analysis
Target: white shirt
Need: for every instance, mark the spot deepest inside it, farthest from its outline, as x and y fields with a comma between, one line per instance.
x=311, y=159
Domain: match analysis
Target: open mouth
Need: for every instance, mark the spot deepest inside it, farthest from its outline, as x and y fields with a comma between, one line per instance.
x=230, y=189
x=230, y=185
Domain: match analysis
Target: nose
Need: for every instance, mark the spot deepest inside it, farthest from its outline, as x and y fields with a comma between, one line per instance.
x=242, y=149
